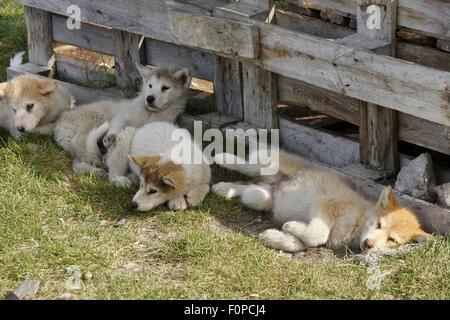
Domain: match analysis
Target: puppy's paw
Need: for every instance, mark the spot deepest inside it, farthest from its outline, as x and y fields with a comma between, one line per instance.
x=225, y=190
x=122, y=182
x=296, y=228
x=109, y=140
x=193, y=199
x=133, y=178
x=102, y=174
x=177, y=204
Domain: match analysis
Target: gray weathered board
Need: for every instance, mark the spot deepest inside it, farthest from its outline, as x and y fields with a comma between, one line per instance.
x=234, y=38
x=385, y=81
x=424, y=15
x=411, y=129
x=39, y=32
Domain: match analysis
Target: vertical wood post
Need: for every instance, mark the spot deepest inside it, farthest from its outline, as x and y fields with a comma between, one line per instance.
x=126, y=54
x=378, y=130
x=39, y=28
x=228, y=86
x=260, y=89
x=260, y=96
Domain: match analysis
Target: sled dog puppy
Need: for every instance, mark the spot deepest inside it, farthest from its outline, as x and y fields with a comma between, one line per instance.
x=318, y=208
x=78, y=131
x=163, y=98
x=150, y=153
x=7, y=118
x=31, y=104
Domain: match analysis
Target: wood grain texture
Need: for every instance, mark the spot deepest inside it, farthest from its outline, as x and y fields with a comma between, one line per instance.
x=259, y=96
x=201, y=64
x=39, y=29
x=234, y=38
x=90, y=37
x=126, y=55
x=228, y=87
x=378, y=132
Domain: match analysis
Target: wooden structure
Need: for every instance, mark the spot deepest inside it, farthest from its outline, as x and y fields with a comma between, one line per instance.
x=325, y=55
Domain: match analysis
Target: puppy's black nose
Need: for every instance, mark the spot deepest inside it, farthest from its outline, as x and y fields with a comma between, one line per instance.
x=150, y=99
x=21, y=129
x=368, y=244
x=134, y=205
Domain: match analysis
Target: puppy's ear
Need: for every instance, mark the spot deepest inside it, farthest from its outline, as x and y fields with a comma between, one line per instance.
x=47, y=87
x=421, y=237
x=143, y=70
x=145, y=161
x=387, y=201
x=184, y=77
x=4, y=87
x=175, y=179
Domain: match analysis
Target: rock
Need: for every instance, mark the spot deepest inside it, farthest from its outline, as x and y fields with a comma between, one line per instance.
x=120, y=222
x=65, y=296
x=87, y=276
x=33, y=146
x=132, y=266
x=417, y=179
x=443, y=194
x=254, y=295
x=26, y=289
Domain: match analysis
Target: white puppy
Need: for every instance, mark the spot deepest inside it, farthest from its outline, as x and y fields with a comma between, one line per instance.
x=164, y=176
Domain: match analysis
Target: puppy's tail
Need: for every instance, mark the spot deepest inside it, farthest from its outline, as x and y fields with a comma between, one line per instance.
x=93, y=136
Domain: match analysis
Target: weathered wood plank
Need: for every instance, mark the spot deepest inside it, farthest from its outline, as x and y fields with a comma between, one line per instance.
x=39, y=29
x=300, y=93
x=378, y=132
x=90, y=37
x=423, y=55
x=382, y=80
x=259, y=96
x=84, y=72
x=126, y=55
x=424, y=15
x=228, y=87
x=411, y=129
x=235, y=38
x=201, y=64
x=424, y=133
x=317, y=144
x=313, y=26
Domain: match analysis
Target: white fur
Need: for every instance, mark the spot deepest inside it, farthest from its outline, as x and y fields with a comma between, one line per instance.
x=156, y=139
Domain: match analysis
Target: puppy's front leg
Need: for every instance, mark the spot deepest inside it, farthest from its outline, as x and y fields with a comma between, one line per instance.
x=195, y=196
x=177, y=204
x=46, y=129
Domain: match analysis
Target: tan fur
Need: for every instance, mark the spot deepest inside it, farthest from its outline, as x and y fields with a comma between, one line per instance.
x=319, y=208
x=47, y=97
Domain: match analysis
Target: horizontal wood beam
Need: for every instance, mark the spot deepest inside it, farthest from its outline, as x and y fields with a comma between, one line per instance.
x=234, y=38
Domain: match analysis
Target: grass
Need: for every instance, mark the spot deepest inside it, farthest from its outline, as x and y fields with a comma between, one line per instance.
x=51, y=219
x=13, y=34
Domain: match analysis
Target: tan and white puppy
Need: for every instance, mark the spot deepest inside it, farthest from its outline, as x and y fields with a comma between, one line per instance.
x=163, y=98
x=35, y=102
x=318, y=208
x=148, y=152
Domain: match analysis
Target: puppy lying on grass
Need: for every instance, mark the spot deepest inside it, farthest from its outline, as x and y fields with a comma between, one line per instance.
x=318, y=208
x=147, y=152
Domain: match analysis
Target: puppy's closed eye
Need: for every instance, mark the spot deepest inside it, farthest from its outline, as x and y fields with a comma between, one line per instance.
x=164, y=88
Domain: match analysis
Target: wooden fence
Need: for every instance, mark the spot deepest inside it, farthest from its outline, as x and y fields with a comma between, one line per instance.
x=258, y=56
